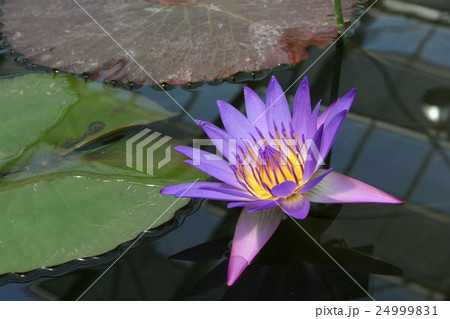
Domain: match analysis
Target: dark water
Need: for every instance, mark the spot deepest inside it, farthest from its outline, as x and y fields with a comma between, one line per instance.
x=396, y=138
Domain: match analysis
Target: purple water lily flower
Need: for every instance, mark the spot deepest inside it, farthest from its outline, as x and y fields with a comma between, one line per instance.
x=273, y=166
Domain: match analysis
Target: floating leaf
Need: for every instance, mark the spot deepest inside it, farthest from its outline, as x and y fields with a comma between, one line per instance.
x=65, y=188
x=68, y=110
x=174, y=41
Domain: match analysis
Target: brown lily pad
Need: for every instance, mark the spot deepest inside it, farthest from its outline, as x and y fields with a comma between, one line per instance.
x=175, y=41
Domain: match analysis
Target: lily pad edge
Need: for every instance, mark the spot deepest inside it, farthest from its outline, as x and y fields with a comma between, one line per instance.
x=108, y=257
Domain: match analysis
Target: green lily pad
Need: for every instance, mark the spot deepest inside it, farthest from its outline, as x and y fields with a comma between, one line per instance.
x=30, y=104
x=65, y=188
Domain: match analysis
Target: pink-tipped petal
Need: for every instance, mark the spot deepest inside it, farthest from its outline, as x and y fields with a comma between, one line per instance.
x=338, y=188
x=296, y=206
x=253, y=230
x=236, y=267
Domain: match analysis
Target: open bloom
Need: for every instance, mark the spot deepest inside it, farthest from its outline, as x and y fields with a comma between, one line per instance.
x=273, y=166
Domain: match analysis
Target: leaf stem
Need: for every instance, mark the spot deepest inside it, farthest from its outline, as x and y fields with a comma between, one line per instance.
x=339, y=50
x=339, y=17
x=340, y=26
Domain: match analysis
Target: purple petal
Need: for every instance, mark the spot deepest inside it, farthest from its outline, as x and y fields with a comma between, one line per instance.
x=314, y=156
x=277, y=106
x=270, y=204
x=284, y=189
x=313, y=121
x=226, y=176
x=234, y=121
x=256, y=203
x=338, y=188
x=253, y=230
x=330, y=131
x=315, y=112
x=302, y=108
x=224, y=142
x=210, y=164
x=255, y=108
x=313, y=182
x=322, y=117
x=227, y=189
x=309, y=129
x=217, y=191
x=342, y=104
x=296, y=206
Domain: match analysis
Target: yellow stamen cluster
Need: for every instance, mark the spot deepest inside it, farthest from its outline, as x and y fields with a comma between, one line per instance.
x=266, y=163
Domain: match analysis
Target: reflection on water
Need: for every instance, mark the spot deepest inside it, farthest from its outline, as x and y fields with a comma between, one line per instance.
x=394, y=59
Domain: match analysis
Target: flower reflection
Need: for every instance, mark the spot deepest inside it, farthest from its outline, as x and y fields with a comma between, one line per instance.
x=291, y=267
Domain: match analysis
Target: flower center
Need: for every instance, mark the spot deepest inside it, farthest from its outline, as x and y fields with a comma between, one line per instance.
x=270, y=157
x=267, y=163
x=268, y=153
